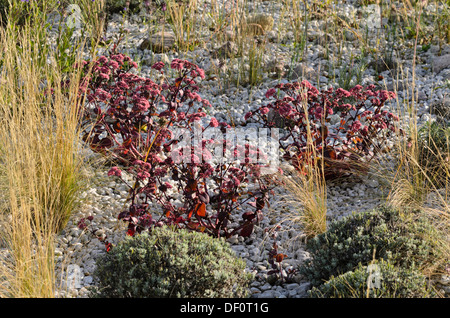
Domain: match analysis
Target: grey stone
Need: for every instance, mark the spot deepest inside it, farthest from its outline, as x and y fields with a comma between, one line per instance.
x=88, y=280
x=302, y=71
x=439, y=50
x=303, y=288
x=149, y=61
x=349, y=35
x=267, y=294
x=276, y=66
x=442, y=108
x=254, y=290
x=159, y=42
x=277, y=294
x=440, y=63
x=291, y=286
x=445, y=280
x=265, y=287
x=228, y=50
x=445, y=74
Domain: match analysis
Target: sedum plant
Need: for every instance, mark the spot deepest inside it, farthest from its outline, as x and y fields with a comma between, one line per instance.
x=214, y=186
x=307, y=115
x=171, y=263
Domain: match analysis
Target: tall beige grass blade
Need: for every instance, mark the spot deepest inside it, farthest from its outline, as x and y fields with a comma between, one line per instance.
x=40, y=163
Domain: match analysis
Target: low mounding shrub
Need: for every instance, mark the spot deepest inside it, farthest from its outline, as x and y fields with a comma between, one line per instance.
x=347, y=128
x=378, y=280
x=171, y=263
x=383, y=233
x=132, y=6
x=120, y=6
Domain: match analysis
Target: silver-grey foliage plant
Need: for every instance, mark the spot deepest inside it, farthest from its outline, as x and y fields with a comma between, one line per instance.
x=173, y=263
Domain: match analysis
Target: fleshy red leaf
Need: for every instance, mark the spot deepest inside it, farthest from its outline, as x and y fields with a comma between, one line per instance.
x=201, y=209
x=247, y=229
x=279, y=257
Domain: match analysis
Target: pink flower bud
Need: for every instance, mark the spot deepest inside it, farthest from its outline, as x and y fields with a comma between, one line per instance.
x=214, y=122
x=264, y=110
x=114, y=171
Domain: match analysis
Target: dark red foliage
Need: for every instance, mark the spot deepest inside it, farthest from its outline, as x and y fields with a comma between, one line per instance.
x=347, y=147
x=134, y=121
x=275, y=259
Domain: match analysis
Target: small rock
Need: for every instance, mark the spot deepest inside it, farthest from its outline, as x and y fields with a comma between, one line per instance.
x=83, y=292
x=291, y=286
x=88, y=280
x=445, y=280
x=440, y=63
x=254, y=290
x=277, y=294
x=228, y=50
x=233, y=240
x=276, y=66
x=265, y=287
x=442, y=108
x=149, y=61
x=303, y=288
x=372, y=183
x=349, y=35
x=77, y=246
x=266, y=294
x=159, y=42
x=302, y=71
x=445, y=73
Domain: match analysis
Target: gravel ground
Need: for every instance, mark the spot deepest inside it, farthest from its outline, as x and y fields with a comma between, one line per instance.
x=105, y=197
